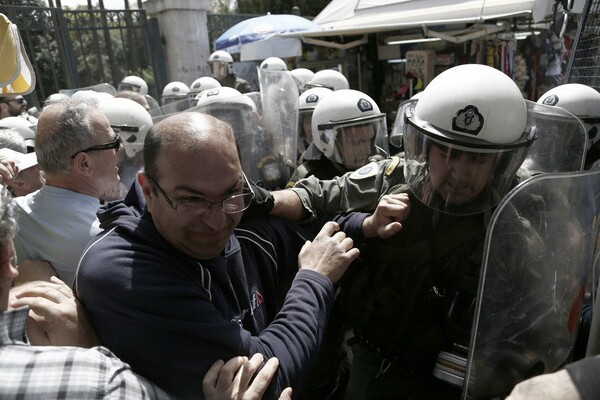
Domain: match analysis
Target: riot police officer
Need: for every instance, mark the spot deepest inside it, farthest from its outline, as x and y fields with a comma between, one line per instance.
x=131, y=122
x=584, y=102
x=221, y=67
x=413, y=296
x=347, y=129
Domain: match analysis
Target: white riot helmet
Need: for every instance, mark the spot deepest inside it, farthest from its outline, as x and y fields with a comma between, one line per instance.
x=91, y=95
x=302, y=76
x=174, y=91
x=466, y=139
x=203, y=83
x=133, y=83
x=307, y=102
x=221, y=64
x=348, y=128
x=55, y=98
x=229, y=105
x=273, y=64
x=224, y=95
x=22, y=127
x=129, y=120
x=271, y=71
x=582, y=101
x=330, y=79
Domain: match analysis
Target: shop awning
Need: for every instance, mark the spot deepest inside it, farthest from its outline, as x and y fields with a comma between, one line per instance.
x=358, y=17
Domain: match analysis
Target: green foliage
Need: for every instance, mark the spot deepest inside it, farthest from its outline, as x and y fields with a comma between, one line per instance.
x=108, y=56
x=31, y=3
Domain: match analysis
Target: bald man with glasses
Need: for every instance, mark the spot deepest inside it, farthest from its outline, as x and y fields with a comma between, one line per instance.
x=77, y=150
x=177, y=281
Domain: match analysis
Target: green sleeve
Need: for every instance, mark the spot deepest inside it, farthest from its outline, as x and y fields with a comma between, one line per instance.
x=359, y=190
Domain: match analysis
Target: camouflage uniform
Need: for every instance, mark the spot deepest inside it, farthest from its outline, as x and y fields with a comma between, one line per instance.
x=237, y=83
x=411, y=295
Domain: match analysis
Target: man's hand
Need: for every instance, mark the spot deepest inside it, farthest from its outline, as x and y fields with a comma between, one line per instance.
x=56, y=318
x=8, y=170
x=330, y=253
x=234, y=379
x=386, y=221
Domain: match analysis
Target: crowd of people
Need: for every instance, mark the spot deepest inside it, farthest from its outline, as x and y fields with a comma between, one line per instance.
x=227, y=242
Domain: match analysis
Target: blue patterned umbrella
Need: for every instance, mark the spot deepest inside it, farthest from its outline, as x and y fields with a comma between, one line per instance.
x=261, y=28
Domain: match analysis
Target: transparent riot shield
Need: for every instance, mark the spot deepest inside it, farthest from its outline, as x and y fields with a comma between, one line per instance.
x=539, y=249
x=260, y=141
x=282, y=93
x=404, y=109
x=561, y=140
x=100, y=88
x=172, y=108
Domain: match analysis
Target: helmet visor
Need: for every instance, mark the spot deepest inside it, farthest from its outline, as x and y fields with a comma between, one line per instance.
x=219, y=70
x=455, y=179
x=128, y=86
x=354, y=142
x=404, y=111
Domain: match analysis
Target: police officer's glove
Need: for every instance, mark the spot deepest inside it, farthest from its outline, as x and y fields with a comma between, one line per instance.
x=262, y=203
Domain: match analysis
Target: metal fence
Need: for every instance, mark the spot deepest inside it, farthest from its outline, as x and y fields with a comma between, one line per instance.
x=584, y=65
x=80, y=48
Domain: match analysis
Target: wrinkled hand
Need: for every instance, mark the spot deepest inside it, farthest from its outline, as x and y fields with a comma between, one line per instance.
x=234, y=379
x=56, y=317
x=330, y=253
x=386, y=221
x=8, y=170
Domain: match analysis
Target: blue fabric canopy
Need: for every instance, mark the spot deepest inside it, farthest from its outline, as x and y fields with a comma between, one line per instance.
x=260, y=28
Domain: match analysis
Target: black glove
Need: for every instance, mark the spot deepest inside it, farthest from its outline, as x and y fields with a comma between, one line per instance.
x=261, y=205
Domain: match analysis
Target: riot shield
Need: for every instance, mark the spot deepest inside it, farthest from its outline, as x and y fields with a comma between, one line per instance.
x=561, y=139
x=283, y=94
x=260, y=141
x=539, y=249
x=175, y=107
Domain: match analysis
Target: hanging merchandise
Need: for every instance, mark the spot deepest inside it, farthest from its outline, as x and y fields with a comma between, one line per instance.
x=521, y=75
x=421, y=63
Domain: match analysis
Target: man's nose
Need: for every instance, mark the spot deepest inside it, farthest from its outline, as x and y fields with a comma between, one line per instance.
x=214, y=217
x=461, y=166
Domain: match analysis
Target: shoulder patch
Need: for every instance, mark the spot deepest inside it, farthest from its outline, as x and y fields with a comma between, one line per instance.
x=390, y=168
x=365, y=171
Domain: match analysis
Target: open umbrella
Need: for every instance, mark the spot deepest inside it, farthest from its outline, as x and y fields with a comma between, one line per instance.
x=261, y=30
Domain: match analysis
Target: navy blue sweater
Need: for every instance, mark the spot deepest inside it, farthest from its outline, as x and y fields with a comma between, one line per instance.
x=171, y=316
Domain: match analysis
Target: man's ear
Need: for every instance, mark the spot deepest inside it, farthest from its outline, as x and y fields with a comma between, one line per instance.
x=146, y=186
x=82, y=164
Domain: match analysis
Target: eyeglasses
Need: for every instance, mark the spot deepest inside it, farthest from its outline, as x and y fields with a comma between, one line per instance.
x=114, y=144
x=231, y=205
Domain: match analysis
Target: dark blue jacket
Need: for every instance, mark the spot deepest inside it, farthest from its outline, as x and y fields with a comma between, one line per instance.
x=171, y=316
